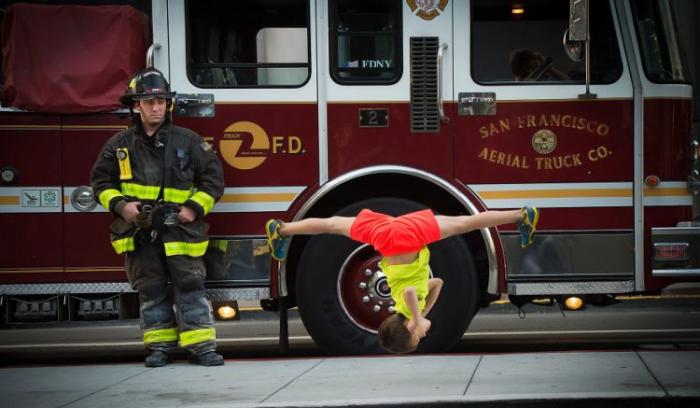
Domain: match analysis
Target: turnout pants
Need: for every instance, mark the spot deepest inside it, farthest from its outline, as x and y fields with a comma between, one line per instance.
x=190, y=323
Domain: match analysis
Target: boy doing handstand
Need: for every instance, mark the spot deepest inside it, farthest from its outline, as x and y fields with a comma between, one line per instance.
x=402, y=241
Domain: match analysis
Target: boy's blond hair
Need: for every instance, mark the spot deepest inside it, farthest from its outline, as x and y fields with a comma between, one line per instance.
x=394, y=336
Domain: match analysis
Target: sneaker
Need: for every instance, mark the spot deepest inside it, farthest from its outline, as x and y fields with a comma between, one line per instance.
x=158, y=358
x=528, y=225
x=278, y=244
x=207, y=358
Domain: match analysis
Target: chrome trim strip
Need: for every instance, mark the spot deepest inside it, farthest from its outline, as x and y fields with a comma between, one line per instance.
x=321, y=90
x=624, y=17
x=55, y=289
x=383, y=169
x=570, y=288
x=676, y=272
x=675, y=231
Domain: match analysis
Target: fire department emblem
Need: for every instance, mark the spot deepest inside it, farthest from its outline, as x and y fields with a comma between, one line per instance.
x=544, y=141
x=427, y=9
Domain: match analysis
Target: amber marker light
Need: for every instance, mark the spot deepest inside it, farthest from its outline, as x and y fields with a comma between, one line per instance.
x=573, y=303
x=517, y=10
x=226, y=310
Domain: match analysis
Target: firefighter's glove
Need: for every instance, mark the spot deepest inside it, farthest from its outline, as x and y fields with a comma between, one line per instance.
x=145, y=217
x=164, y=216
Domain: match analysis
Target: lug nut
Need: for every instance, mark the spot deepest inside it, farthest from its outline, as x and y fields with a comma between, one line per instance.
x=365, y=299
x=368, y=272
x=363, y=285
x=392, y=309
x=377, y=308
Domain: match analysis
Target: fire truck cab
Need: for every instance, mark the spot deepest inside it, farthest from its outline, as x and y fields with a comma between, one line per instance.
x=321, y=108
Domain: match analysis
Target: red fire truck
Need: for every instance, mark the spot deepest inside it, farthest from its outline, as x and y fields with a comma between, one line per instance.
x=319, y=108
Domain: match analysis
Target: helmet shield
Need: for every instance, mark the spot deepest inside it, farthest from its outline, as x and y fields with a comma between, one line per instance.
x=147, y=84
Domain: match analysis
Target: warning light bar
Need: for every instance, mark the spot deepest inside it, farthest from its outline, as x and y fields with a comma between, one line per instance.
x=671, y=252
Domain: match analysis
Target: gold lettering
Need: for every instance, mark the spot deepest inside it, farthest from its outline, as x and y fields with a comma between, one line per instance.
x=505, y=124
x=515, y=162
x=493, y=130
x=555, y=120
x=483, y=132
x=501, y=158
x=492, y=156
x=577, y=159
x=590, y=126
x=531, y=121
x=524, y=165
x=277, y=143
x=602, y=129
x=591, y=156
x=557, y=162
x=294, y=144
x=581, y=124
x=566, y=121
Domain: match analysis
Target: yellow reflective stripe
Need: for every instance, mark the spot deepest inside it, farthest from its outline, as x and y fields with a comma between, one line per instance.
x=186, y=248
x=195, y=336
x=107, y=195
x=220, y=244
x=140, y=191
x=123, y=245
x=204, y=200
x=160, y=335
x=175, y=195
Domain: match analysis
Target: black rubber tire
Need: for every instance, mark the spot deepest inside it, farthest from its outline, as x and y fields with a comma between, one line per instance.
x=327, y=322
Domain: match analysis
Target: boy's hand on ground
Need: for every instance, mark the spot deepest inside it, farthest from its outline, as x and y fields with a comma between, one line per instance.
x=419, y=326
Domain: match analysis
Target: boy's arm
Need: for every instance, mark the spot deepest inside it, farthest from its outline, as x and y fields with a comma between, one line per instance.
x=434, y=288
x=411, y=298
x=418, y=324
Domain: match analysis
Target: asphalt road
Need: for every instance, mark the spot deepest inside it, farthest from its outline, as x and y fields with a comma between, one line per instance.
x=672, y=320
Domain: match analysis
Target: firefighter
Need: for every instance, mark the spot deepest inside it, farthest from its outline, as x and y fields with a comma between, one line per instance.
x=160, y=180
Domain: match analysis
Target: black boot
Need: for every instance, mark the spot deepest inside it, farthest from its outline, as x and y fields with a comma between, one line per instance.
x=207, y=358
x=157, y=358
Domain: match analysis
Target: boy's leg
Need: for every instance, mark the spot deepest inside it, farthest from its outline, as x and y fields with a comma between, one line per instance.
x=460, y=224
x=278, y=232
x=312, y=226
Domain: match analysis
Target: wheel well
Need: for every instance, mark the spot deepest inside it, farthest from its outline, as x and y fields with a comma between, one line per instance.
x=396, y=185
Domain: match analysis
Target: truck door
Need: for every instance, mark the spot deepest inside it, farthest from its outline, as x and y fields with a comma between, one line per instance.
x=526, y=133
x=255, y=58
x=383, y=94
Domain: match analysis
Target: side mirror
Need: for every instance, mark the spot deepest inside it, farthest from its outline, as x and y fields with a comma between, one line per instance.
x=573, y=49
x=194, y=105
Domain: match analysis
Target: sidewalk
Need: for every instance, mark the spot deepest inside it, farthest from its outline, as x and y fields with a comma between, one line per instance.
x=551, y=379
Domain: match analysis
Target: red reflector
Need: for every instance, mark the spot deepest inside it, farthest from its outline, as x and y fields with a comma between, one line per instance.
x=671, y=252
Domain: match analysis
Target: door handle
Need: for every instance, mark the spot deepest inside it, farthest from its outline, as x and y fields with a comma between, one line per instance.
x=441, y=110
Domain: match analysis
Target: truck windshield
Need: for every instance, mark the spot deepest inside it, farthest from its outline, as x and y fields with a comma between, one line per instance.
x=658, y=41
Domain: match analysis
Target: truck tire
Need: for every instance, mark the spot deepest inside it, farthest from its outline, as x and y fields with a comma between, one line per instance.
x=342, y=299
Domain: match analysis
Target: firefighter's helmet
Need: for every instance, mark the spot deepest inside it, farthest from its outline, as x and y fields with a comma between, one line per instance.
x=147, y=84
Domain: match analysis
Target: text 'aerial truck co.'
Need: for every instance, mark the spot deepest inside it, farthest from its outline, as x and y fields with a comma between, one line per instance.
x=319, y=108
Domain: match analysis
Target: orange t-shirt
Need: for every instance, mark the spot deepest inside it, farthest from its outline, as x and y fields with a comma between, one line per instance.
x=395, y=235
